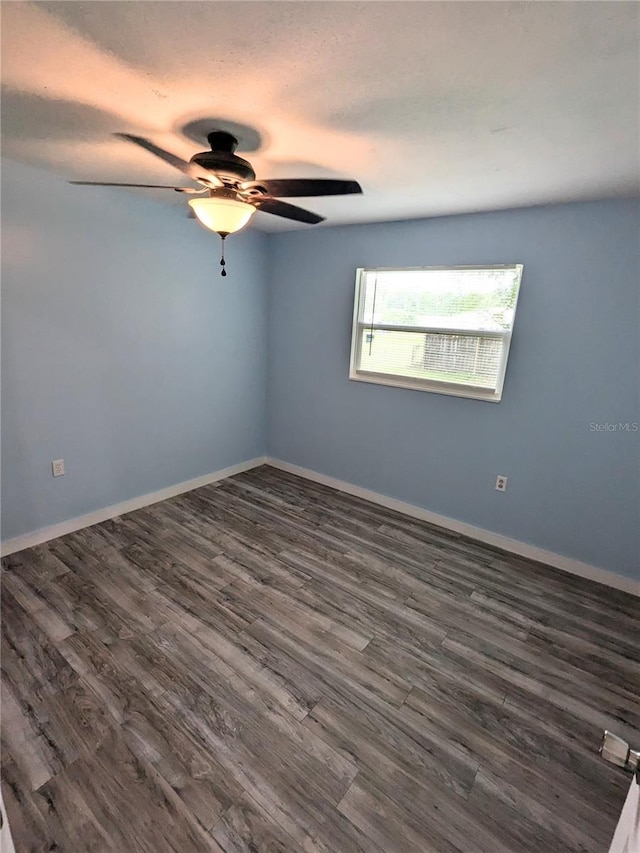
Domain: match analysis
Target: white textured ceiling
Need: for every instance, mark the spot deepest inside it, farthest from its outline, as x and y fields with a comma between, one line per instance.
x=435, y=107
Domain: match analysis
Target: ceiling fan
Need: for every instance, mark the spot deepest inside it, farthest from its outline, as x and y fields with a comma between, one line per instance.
x=233, y=193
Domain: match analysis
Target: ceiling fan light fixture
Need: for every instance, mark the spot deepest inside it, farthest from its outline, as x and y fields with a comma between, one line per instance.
x=223, y=215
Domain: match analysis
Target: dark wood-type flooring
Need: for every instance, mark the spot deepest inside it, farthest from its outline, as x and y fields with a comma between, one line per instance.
x=265, y=664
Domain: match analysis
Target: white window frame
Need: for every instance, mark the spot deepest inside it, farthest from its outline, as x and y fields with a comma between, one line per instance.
x=454, y=389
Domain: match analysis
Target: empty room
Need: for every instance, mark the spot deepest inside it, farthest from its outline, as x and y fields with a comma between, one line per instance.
x=320, y=426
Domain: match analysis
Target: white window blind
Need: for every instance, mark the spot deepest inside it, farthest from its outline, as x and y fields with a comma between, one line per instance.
x=443, y=329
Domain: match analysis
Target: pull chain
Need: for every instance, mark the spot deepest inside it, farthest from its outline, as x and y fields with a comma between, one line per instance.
x=223, y=271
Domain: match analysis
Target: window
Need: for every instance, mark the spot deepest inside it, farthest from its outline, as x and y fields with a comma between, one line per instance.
x=443, y=329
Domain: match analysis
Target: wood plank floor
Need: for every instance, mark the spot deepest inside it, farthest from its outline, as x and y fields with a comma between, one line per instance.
x=265, y=664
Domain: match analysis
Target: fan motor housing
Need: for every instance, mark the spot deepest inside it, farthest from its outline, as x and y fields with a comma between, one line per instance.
x=222, y=160
x=225, y=165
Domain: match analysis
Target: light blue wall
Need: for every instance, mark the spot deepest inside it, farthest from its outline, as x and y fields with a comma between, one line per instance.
x=126, y=354
x=574, y=361
x=123, y=350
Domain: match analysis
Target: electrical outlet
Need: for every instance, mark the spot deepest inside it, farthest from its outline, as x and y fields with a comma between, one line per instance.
x=57, y=467
x=501, y=483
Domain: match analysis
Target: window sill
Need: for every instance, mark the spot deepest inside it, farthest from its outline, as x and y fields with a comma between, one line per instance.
x=450, y=390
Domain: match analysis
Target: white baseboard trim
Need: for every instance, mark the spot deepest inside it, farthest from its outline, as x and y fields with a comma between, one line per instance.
x=44, y=534
x=6, y=841
x=514, y=546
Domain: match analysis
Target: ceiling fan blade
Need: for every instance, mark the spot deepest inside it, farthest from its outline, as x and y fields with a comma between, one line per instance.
x=143, y=186
x=191, y=169
x=290, y=187
x=288, y=211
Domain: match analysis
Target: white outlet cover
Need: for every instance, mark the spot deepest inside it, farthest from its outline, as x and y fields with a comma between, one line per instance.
x=501, y=483
x=57, y=467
